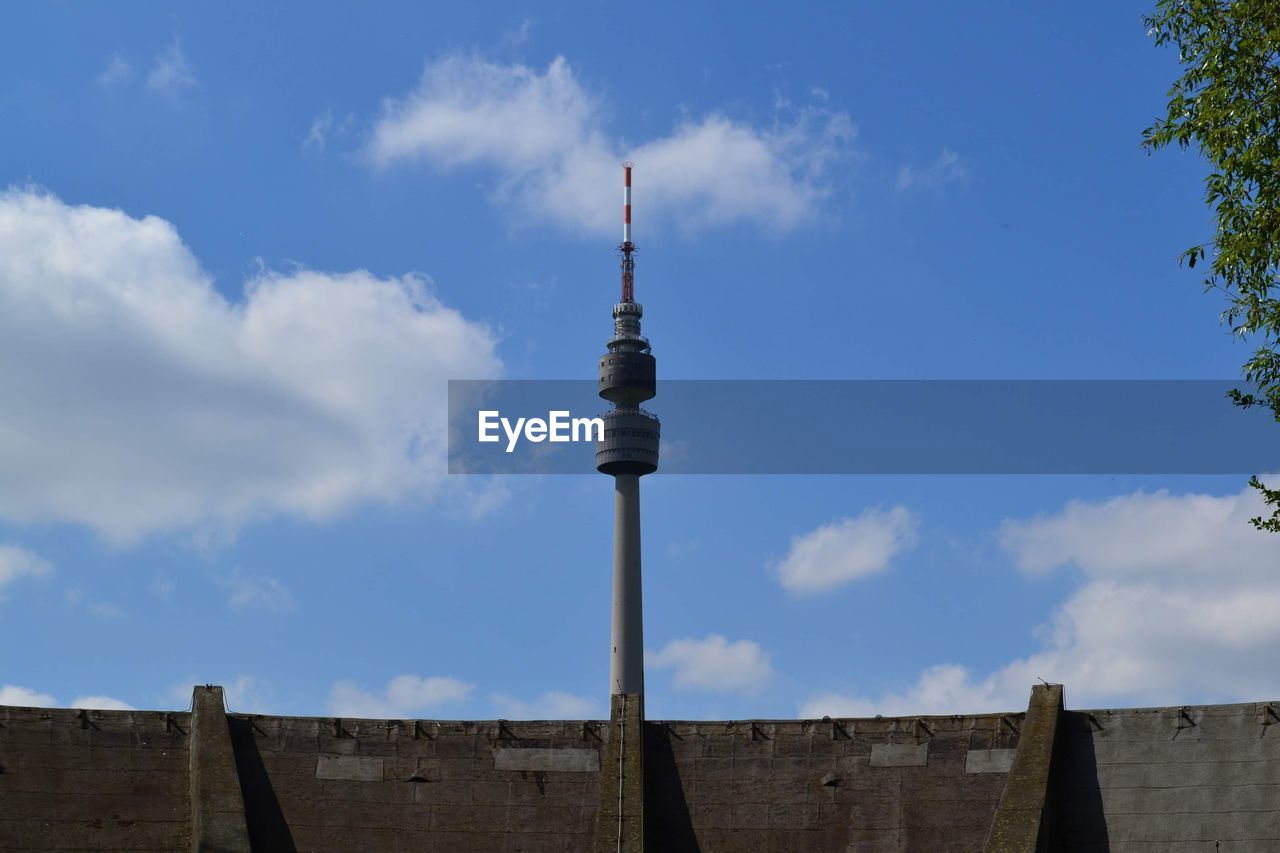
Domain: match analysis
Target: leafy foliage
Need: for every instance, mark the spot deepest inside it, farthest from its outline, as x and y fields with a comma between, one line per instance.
x=1227, y=105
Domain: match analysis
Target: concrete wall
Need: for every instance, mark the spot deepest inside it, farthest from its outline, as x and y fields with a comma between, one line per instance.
x=896, y=786
x=94, y=780
x=1176, y=780
x=888, y=786
x=1195, y=780
x=375, y=785
x=391, y=785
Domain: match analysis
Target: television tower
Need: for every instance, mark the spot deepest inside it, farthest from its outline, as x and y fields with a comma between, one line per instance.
x=628, y=451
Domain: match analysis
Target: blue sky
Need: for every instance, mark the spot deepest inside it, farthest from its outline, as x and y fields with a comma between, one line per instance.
x=243, y=247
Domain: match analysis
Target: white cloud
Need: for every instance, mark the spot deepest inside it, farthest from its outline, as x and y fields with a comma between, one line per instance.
x=943, y=689
x=77, y=597
x=244, y=693
x=100, y=703
x=714, y=664
x=324, y=128
x=1154, y=534
x=847, y=549
x=551, y=705
x=11, y=694
x=17, y=562
x=545, y=136
x=318, y=136
x=949, y=168
x=404, y=696
x=171, y=73
x=314, y=392
x=261, y=592
x=105, y=610
x=116, y=72
x=1177, y=604
x=518, y=35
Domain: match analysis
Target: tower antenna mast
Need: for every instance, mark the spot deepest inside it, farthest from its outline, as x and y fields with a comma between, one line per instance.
x=627, y=247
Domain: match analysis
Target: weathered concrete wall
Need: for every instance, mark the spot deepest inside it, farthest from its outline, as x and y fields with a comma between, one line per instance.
x=1177, y=780
x=896, y=786
x=1195, y=780
x=391, y=785
x=885, y=785
x=93, y=780
x=373, y=785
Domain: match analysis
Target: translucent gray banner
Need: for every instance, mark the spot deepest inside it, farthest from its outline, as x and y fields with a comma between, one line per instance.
x=875, y=427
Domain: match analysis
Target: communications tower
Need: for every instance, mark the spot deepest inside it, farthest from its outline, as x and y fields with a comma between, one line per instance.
x=628, y=451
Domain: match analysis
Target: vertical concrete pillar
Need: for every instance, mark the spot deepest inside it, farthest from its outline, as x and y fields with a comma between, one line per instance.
x=626, y=663
x=620, y=825
x=1022, y=817
x=217, y=806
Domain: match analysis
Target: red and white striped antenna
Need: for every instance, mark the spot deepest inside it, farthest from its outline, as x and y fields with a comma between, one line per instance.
x=628, y=265
x=626, y=205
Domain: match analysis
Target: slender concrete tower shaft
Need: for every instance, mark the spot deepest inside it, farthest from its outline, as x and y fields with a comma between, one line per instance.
x=626, y=668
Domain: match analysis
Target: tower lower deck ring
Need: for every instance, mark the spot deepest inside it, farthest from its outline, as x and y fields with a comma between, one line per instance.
x=630, y=443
